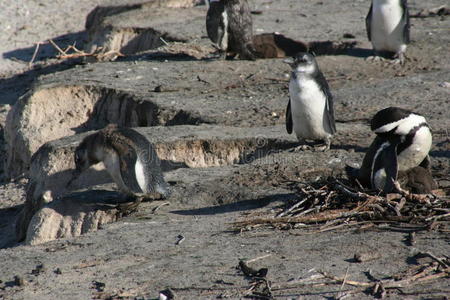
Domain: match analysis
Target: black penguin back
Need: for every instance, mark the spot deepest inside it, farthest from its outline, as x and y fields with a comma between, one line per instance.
x=388, y=115
x=132, y=148
x=240, y=28
x=215, y=26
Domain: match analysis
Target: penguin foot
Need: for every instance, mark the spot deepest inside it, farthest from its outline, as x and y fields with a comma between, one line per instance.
x=399, y=59
x=322, y=148
x=301, y=148
x=375, y=58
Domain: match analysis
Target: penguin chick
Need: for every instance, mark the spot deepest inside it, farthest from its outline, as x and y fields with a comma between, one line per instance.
x=229, y=26
x=387, y=25
x=402, y=143
x=417, y=180
x=309, y=112
x=128, y=157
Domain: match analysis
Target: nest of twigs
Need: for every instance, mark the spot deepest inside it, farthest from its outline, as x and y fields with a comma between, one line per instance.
x=331, y=203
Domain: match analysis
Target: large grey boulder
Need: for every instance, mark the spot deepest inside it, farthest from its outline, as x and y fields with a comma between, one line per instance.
x=72, y=216
x=177, y=146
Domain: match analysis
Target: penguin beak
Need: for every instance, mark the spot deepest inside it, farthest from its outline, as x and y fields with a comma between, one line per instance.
x=289, y=61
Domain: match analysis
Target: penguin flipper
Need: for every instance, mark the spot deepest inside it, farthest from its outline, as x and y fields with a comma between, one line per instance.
x=365, y=172
x=215, y=26
x=368, y=21
x=329, y=109
x=385, y=160
x=405, y=20
x=119, y=140
x=289, y=124
x=146, y=175
x=128, y=161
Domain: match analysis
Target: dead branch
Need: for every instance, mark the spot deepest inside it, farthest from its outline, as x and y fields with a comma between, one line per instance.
x=337, y=204
x=391, y=283
x=34, y=54
x=434, y=257
x=314, y=218
x=97, y=53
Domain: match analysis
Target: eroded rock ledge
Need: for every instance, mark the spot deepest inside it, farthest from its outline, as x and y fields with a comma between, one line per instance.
x=178, y=146
x=52, y=112
x=129, y=29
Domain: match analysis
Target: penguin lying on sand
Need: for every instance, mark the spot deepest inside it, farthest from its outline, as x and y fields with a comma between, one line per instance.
x=387, y=25
x=229, y=26
x=309, y=112
x=128, y=157
x=402, y=143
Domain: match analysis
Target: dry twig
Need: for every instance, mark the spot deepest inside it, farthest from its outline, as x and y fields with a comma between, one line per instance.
x=97, y=53
x=334, y=203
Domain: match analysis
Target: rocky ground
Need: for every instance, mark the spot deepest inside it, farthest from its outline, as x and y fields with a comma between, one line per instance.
x=220, y=129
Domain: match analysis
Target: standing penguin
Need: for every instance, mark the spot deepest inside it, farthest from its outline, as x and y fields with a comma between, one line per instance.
x=387, y=25
x=402, y=143
x=310, y=108
x=229, y=26
x=128, y=157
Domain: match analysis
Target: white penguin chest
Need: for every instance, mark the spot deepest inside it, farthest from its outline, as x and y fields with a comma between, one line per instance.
x=413, y=155
x=307, y=108
x=112, y=164
x=386, y=27
x=140, y=175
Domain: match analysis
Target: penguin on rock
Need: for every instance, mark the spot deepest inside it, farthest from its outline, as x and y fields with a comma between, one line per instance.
x=129, y=158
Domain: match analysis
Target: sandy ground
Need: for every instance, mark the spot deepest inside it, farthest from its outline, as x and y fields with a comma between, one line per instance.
x=138, y=256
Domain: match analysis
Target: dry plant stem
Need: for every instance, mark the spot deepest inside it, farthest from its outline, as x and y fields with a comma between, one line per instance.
x=350, y=282
x=296, y=205
x=159, y=206
x=96, y=53
x=328, y=202
x=343, y=281
x=318, y=217
x=437, y=259
x=57, y=47
x=34, y=54
x=434, y=218
x=390, y=283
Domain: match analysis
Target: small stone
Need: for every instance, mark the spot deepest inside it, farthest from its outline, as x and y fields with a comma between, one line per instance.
x=19, y=281
x=348, y=36
x=39, y=269
x=99, y=286
x=444, y=84
x=366, y=256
